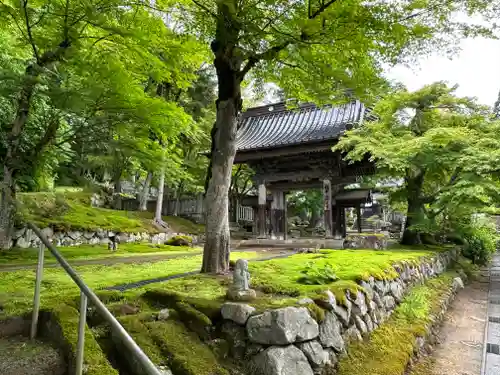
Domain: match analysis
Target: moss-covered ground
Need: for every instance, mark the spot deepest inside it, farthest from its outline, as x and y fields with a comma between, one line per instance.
x=71, y=210
x=16, y=288
x=15, y=257
x=195, y=303
x=390, y=347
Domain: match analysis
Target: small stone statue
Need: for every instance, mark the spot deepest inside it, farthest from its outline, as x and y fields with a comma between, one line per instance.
x=240, y=289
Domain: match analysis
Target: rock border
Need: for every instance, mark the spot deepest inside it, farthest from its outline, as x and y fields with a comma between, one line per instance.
x=25, y=238
x=276, y=340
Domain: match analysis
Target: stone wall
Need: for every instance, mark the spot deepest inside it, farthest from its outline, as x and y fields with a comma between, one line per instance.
x=25, y=238
x=290, y=340
x=366, y=241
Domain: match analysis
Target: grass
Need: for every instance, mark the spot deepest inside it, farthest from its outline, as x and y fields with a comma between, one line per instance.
x=16, y=288
x=71, y=210
x=96, y=362
x=390, y=347
x=29, y=256
x=280, y=276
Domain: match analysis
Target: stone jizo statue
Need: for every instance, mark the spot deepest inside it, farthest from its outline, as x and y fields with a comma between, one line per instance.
x=240, y=289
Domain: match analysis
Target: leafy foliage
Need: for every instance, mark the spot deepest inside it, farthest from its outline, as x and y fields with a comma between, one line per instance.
x=315, y=275
x=443, y=147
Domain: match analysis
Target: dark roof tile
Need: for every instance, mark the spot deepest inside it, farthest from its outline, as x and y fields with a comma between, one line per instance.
x=274, y=126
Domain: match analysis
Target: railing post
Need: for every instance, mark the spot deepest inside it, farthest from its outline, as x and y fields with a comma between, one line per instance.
x=36, y=297
x=81, y=334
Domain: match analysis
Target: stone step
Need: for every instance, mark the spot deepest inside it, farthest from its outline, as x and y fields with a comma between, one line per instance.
x=20, y=356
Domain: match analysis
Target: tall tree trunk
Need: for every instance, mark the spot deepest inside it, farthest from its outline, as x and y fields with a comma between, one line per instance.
x=414, y=183
x=159, y=200
x=143, y=196
x=228, y=66
x=7, y=209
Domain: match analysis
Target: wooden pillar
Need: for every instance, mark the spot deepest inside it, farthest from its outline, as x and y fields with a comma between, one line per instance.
x=285, y=217
x=278, y=215
x=262, y=211
x=337, y=213
x=343, y=222
x=358, y=215
x=327, y=204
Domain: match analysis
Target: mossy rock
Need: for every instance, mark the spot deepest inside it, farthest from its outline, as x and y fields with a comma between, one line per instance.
x=194, y=319
x=166, y=298
x=142, y=336
x=180, y=240
x=62, y=326
x=186, y=354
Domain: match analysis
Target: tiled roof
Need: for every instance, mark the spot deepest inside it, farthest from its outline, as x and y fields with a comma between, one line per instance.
x=274, y=126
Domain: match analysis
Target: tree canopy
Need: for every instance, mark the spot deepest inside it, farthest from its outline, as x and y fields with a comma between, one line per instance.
x=444, y=148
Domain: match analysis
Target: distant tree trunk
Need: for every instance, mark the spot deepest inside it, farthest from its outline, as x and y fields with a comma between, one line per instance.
x=414, y=183
x=159, y=200
x=143, y=196
x=315, y=218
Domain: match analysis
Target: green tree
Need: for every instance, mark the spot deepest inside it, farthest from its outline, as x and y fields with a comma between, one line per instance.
x=314, y=50
x=433, y=140
x=88, y=61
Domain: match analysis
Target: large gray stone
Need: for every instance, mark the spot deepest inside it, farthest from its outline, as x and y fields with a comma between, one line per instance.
x=352, y=334
x=389, y=302
x=327, y=300
x=317, y=356
x=23, y=243
x=369, y=322
x=330, y=332
x=381, y=287
x=367, y=289
x=74, y=235
x=397, y=291
x=359, y=306
x=282, y=326
x=457, y=283
x=48, y=232
x=237, y=312
x=344, y=312
x=287, y=360
x=360, y=324
x=377, y=299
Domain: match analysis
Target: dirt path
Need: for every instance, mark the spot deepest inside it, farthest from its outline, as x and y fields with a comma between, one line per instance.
x=461, y=338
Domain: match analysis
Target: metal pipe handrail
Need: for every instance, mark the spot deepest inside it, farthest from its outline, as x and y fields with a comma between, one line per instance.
x=86, y=293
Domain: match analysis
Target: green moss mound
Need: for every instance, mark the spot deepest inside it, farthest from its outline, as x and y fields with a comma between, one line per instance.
x=179, y=241
x=71, y=210
x=186, y=353
x=96, y=361
x=390, y=347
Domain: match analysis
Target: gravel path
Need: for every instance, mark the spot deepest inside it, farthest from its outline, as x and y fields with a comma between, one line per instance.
x=461, y=338
x=20, y=356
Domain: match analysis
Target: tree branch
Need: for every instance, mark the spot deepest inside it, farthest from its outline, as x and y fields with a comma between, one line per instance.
x=321, y=9
x=266, y=55
x=28, y=29
x=205, y=8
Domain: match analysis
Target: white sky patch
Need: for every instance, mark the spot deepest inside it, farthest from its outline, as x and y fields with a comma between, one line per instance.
x=476, y=69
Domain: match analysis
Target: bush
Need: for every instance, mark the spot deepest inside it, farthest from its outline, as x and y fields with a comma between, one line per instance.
x=480, y=239
x=180, y=241
x=314, y=275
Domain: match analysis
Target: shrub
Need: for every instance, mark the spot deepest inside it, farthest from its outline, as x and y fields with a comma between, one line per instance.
x=480, y=239
x=180, y=241
x=314, y=275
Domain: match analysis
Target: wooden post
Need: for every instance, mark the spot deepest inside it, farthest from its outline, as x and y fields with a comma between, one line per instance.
x=262, y=211
x=285, y=217
x=278, y=215
x=327, y=204
x=358, y=215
